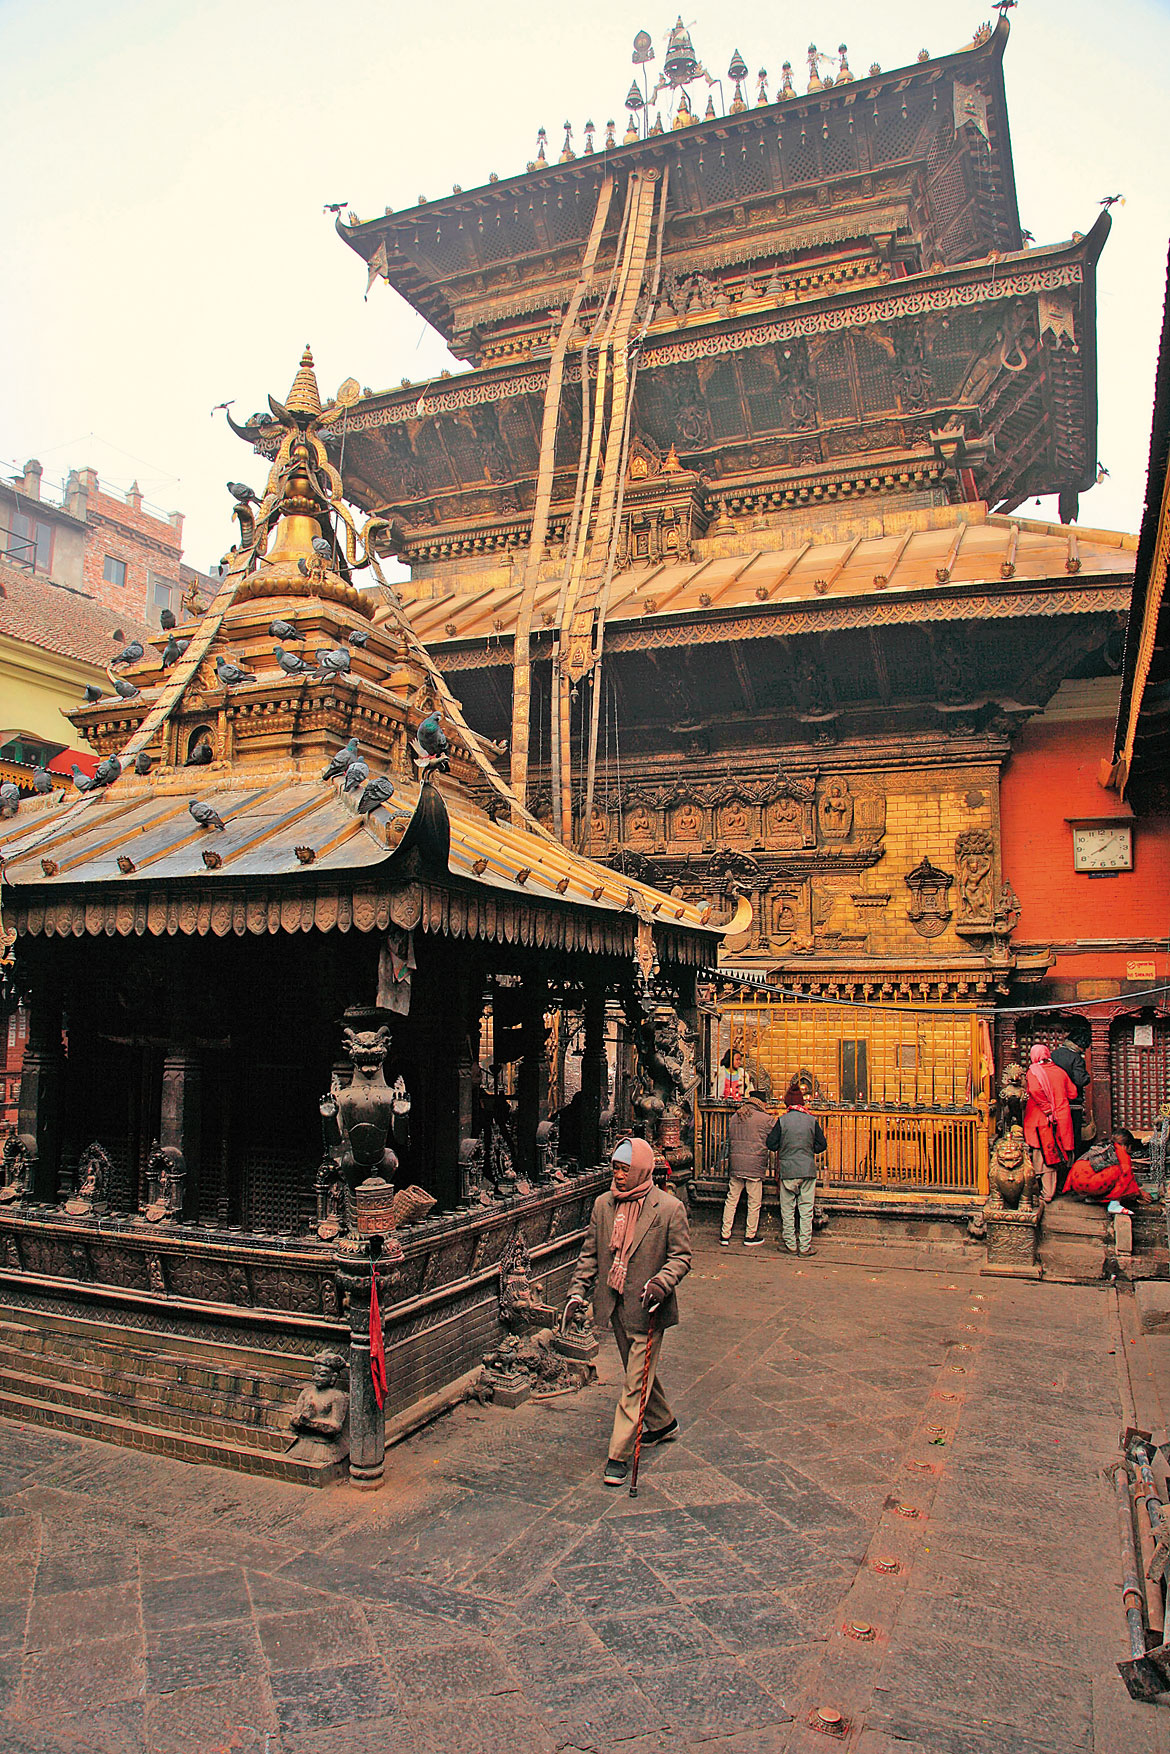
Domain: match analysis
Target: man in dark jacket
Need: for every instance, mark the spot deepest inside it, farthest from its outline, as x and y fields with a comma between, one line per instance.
x=637, y=1249
x=747, y=1159
x=1069, y=1055
x=798, y=1137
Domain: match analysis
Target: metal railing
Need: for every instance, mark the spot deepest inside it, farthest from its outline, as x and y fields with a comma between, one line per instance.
x=878, y=1151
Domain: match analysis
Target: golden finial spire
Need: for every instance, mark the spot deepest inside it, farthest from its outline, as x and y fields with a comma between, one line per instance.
x=304, y=397
x=815, y=82
x=589, y=132
x=683, y=116
x=541, y=137
x=787, y=89
x=762, y=92
x=738, y=71
x=844, y=71
x=567, y=153
x=657, y=128
x=610, y=142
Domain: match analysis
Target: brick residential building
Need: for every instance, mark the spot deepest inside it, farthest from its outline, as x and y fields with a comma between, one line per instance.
x=104, y=543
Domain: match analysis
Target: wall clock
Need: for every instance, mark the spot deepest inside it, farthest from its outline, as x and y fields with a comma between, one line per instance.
x=1103, y=847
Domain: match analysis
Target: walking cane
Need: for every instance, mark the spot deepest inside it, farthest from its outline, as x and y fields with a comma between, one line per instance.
x=642, y=1408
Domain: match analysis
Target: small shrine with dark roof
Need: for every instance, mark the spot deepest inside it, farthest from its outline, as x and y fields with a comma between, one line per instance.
x=260, y=945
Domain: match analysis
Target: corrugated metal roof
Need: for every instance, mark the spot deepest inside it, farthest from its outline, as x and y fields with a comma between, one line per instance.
x=54, y=843
x=995, y=551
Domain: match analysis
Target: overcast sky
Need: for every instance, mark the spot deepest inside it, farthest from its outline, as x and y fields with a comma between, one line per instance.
x=165, y=167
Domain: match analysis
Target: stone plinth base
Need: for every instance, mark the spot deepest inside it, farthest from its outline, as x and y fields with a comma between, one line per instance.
x=1012, y=1239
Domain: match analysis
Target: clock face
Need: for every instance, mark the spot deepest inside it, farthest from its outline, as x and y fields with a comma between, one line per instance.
x=1107, y=848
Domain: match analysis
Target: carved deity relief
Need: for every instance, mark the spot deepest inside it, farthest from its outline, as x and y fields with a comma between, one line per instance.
x=780, y=915
x=687, y=821
x=975, y=855
x=785, y=824
x=835, y=811
x=735, y=822
x=598, y=828
x=639, y=824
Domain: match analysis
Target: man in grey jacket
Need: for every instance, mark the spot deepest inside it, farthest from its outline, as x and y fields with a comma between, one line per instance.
x=636, y=1250
x=747, y=1163
x=798, y=1137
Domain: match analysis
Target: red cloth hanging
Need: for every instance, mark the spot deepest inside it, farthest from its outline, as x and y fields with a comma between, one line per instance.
x=377, y=1341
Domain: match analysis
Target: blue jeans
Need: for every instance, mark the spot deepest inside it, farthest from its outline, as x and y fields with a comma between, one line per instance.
x=796, y=1210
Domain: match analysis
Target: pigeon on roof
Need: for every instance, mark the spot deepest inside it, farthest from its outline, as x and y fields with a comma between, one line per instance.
x=126, y=689
x=42, y=780
x=341, y=760
x=285, y=632
x=229, y=673
x=379, y=791
x=356, y=775
x=129, y=654
x=204, y=815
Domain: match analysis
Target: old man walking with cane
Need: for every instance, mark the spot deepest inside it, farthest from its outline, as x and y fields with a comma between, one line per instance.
x=637, y=1249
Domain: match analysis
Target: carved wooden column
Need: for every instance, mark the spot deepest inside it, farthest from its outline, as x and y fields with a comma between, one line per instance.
x=180, y=1124
x=367, y=1421
x=593, y=1075
x=42, y=1086
x=532, y=1079
x=1101, y=1086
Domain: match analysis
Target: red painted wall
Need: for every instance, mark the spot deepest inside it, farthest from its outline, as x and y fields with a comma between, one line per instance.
x=1051, y=776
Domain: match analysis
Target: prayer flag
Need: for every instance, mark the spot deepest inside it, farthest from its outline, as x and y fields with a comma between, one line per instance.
x=377, y=1341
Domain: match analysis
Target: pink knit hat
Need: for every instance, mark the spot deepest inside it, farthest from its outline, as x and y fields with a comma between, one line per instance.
x=637, y=1153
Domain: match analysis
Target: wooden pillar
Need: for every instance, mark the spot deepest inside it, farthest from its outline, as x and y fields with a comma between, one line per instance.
x=1102, y=1085
x=42, y=1086
x=367, y=1421
x=593, y=1075
x=532, y=1079
x=180, y=1124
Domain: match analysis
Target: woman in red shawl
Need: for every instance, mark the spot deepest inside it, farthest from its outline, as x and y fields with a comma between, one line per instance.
x=1105, y=1173
x=1048, y=1126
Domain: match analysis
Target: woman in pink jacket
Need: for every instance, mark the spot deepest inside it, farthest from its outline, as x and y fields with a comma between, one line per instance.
x=1048, y=1125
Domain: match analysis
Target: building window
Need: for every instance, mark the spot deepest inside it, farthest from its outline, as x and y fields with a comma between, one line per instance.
x=853, y=1070
x=164, y=594
x=114, y=571
x=28, y=542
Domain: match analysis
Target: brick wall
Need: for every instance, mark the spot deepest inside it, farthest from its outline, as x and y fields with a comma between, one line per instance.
x=1052, y=776
x=122, y=530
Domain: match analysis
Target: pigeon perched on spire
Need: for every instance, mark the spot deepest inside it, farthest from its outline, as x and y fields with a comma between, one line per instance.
x=430, y=747
x=229, y=673
x=379, y=791
x=341, y=760
x=129, y=654
x=285, y=632
x=240, y=491
x=322, y=549
x=204, y=815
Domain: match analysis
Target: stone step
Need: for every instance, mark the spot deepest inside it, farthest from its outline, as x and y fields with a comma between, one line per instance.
x=120, y=1379
x=184, y=1447
x=82, y=1329
x=120, y=1352
x=197, y=1422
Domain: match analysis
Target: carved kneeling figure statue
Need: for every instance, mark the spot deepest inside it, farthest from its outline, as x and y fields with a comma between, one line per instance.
x=320, y=1419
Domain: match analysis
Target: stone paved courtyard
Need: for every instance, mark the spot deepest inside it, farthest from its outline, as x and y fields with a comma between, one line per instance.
x=915, y=1450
